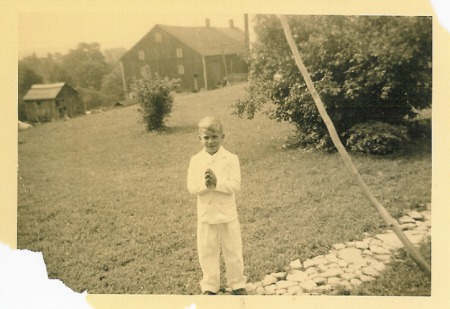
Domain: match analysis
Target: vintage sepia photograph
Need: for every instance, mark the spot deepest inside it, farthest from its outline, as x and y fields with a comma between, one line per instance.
x=218, y=154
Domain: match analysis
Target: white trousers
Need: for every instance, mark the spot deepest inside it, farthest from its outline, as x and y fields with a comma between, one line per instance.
x=210, y=239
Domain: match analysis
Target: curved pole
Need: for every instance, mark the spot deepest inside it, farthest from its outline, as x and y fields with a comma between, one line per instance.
x=415, y=254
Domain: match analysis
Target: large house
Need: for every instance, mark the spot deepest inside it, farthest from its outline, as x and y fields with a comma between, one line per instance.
x=201, y=57
x=49, y=102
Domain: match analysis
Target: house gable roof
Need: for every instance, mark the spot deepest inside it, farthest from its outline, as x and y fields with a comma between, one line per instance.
x=43, y=92
x=207, y=41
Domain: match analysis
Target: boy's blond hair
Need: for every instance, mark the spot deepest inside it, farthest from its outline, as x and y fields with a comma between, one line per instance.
x=210, y=123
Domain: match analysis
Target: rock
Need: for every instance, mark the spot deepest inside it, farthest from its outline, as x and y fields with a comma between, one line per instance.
x=332, y=272
x=350, y=244
x=352, y=255
x=390, y=240
x=324, y=288
x=297, y=276
x=308, y=285
x=377, y=242
x=416, y=215
x=384, y=257
x=280, y=291
x=321, y=259
x=379, y=250
x=379, y=266
x=250, y=287
x=413, y=237
x=258, y=284
x=311, y=270
x=294, y=290
x=260, y=291
x=365, y=278
x=368, y=240
x=283, y=284
x=333, y=280
x=346, y=284
x=332, y=257
x=362, y=245
x=268, y=280
x=355, y=282
x=295, y=264
x=280, y=275
x=408, y=226
x=370, y=271
x=309, y=263
x=343, y=263
x=338, y=246
x=367, y=252
x=348, y=276
x=270, y=289
x=319, y=280
x=406, y=219
x=322, y=267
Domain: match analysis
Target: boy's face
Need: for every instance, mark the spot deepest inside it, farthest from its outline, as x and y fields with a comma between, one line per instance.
x=211, y=140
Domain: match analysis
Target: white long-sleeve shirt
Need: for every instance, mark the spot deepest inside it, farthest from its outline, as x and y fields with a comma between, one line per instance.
x=216, y=205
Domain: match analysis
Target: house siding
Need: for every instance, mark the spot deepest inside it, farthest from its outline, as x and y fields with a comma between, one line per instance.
x=161, y=57
x=66, y=103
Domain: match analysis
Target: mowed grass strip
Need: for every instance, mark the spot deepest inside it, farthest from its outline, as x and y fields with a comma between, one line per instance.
x=107, y=204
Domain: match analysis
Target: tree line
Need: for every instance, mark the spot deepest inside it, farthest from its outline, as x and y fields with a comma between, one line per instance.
x=84, y=68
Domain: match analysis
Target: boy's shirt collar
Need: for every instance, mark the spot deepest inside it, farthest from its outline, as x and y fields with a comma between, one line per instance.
x=219, y=152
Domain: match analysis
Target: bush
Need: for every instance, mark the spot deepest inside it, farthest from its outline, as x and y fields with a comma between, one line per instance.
x=357, y=75
x=92, y=98
x=154, y=96
x=419, y=128
x=376, y=138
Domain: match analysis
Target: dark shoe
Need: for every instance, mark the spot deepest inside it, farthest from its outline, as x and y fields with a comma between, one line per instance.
x=209, y=293
x=240, y=292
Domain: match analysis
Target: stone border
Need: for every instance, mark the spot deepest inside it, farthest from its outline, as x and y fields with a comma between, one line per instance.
x=346, y=264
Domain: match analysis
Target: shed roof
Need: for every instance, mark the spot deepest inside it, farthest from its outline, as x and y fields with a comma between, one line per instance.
x=43, y=92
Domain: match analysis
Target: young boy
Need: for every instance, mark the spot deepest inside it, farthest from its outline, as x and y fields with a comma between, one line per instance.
x=214, y=176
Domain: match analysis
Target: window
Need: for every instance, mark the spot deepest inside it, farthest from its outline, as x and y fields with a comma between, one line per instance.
x=181, y=69
x=179, y=53
x=141, y=55
x=158, y=37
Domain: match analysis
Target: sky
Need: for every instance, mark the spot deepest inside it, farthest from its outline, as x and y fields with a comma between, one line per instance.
x=43, y=32
x=60, y=27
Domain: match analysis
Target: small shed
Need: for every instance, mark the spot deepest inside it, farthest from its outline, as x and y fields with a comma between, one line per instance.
x=50, y=102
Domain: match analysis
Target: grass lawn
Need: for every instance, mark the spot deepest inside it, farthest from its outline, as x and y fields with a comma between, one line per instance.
x=107, y=202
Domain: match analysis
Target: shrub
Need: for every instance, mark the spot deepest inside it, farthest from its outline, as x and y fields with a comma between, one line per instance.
x=357, y=75
x=154, y=96
x=92, y=98
x=376, y=138
x=419, y=128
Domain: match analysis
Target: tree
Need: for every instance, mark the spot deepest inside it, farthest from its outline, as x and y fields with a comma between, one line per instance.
x=86, y=64
x=112, y=85
x=26, y=78
x=366, y=68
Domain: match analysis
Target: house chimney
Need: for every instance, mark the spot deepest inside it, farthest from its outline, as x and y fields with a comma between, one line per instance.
x=231, y=22
x=207, y=24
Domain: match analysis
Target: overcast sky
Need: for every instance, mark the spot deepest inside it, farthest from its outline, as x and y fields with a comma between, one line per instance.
x=61, y=25
x=43, y=32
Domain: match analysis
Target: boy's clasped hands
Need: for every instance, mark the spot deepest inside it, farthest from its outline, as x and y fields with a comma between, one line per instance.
x=210, y=179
